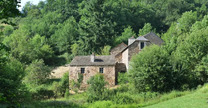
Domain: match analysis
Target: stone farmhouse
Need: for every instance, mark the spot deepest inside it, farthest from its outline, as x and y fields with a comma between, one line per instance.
x=110, y=65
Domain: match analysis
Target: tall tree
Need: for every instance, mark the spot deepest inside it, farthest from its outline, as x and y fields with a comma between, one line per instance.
x=146, y=29
x=65, y=36
x=95, y=29
x=127, y=33
x=9, y=8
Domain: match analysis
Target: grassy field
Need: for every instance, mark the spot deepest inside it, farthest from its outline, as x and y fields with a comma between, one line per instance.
x=198, y=99
x=175, y=99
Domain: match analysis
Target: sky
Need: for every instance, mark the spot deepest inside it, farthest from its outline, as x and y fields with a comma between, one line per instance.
x=23, y=2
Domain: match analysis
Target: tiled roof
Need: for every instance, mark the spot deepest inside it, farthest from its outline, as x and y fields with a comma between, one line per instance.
x=150, y=37
x=118, y=48
x=99, y=61
x=153, y=38
x=141, y=38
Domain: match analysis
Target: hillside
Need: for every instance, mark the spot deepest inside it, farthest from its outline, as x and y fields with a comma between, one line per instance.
x=198, y=99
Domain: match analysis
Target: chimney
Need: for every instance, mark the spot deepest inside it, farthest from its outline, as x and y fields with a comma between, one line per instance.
x=92, y=57
x=131, y=40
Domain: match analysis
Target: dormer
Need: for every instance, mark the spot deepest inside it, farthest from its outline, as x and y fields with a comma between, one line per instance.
x=142, y=42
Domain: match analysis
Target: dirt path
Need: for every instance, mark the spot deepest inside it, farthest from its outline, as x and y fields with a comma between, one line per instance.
x=58, y=72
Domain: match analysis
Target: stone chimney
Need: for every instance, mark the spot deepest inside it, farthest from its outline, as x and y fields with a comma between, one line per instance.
x=92, y=57
x=131, y=40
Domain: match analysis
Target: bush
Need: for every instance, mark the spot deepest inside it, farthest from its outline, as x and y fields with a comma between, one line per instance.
x=97, y=88
x=122, y=78
x=36, y=73
x=12, y=89
x=60, y=88
x=151, y=70
x=42, y=93
x=56, y=89
x=123, y=98
x=123, y=88
x=74, y=85
x=64, y=83
x=66, y=95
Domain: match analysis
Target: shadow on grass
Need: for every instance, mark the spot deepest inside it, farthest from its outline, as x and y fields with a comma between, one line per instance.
x=50, y=81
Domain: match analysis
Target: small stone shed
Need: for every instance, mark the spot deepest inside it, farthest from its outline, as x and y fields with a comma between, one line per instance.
x=89, y=66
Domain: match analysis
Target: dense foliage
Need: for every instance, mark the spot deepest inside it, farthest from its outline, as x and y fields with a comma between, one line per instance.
x=151, y=70
x=96, y=89
x=179, y=64
x=9, y=8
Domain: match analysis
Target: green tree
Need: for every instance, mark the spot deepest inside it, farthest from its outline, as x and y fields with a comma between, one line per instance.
x=8, y=30
x=201, y=70
x=105, y=50
x=189, y=53
x=170, y=10
x=11, y=75
x=65, y=36
x=186, y=21
x=146, y=29
x=128, y=32
x=36, y=73
x=151, y=70
x=95, y=29
x=198, y=25
x=26, y=48
x=9, y=8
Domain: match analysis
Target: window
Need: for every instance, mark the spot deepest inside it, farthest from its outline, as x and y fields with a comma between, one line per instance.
x=141, y=45
x=82, y=70
x=101, y=70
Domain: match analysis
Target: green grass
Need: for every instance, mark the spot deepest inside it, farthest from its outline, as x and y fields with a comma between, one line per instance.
x=175, y=99
x=197, y=99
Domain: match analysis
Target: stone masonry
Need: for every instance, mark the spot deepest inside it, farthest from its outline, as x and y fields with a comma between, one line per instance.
x=108, y=72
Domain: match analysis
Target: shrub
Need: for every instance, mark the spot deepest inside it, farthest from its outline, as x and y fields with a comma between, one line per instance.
x=66, y=95
x=123, y=88
x=42, y=93
x=60, y=88
x=151, y=70
x=123, y=98
x=74, y=85
x=80, y=78
x=36, y=73
x=56, y=89
x=12, y=89
x=97, y=88
x=122, y=78
x=64, y=84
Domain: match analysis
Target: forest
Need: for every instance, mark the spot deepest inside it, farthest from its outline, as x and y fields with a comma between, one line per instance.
x=44, y=36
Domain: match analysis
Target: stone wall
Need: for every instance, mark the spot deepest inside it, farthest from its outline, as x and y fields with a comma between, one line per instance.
x=108, y=72
x=125, y=58
x=133, y=49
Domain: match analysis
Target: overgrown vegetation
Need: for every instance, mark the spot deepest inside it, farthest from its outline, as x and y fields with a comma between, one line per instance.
x=97, y=88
